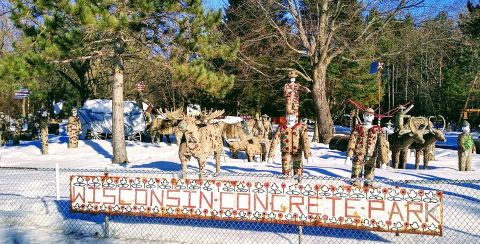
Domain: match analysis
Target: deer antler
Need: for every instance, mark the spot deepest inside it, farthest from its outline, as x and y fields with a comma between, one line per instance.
x=206, y=116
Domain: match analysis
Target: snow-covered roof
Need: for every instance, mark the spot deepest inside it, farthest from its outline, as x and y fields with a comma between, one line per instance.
x=105, y=106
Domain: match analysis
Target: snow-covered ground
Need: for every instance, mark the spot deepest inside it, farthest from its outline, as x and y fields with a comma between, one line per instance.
x=326, y=162
x=97, y=154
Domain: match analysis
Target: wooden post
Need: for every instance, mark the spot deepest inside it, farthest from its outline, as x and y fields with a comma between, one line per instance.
x=24, y=108
x=379, y=83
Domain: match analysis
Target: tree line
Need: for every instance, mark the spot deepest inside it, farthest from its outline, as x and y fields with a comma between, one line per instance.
x=238, y=58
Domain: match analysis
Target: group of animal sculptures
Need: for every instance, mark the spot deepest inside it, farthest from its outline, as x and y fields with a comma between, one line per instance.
x=251, y=136
x=420, y=137
x=200, y=135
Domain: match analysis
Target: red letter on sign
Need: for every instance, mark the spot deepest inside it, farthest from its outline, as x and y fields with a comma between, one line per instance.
x=154, y=195
x=209, y=203
x=273, y=204
x=79, y=195
x=416, y=212
x=221, y=200
x=333, y=204
x=395, y=210
x=263, y=204
x=312, y=205
x=173, y=198
x=239, y=201
x=111, y=196
x=371, y=208
x=94, y=195
x=297, y=204
x=189, y=199
x=136, y=196
x=428, y=213
x=348, y=207
x=120, y=196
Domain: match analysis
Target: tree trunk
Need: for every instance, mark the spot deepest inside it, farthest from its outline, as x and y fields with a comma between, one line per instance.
x=324, y=117
x=118, y=131
x=315, y=131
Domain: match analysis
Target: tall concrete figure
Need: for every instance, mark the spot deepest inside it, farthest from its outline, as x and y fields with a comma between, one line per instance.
x=44, y=131
x=465, y=148
x=364, y=149
x=73, y=129
x=294, y=143
x=290, y=94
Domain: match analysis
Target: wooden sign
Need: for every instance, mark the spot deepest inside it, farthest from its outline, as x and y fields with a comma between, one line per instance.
x=283, y=202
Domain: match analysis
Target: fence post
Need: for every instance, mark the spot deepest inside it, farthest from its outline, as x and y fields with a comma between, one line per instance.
x=106, y=227
x=57, y=181
x=300, y=227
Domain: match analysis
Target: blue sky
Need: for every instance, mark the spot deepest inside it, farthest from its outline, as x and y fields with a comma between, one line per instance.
x=437, y=5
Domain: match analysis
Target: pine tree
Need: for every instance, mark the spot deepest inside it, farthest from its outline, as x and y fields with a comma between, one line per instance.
x=115, y=31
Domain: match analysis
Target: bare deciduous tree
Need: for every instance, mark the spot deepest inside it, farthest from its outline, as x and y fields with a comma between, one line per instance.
x=322, y=30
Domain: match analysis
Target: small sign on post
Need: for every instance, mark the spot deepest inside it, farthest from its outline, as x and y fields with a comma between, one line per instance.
x=22, y=93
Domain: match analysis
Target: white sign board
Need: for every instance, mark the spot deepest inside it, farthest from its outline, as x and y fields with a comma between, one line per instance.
x=284, y=202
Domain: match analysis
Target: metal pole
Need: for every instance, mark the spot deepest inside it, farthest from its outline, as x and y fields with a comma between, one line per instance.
x=379, y=81
x=57, y=181
x=300, y=227
x=106, y=227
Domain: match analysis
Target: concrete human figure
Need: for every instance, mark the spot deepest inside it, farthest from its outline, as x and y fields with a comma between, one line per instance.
x=18, y=131
x=466, y=147
x=73, y=129
x=267, y=127
x=3, y=129
x=294, y=143
x=400, y=118
x=363, y=147
x=44, y=131
x=290, y=94
x=258, y=129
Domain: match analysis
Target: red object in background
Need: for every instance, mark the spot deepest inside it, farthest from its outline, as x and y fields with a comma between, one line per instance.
x=279, y=120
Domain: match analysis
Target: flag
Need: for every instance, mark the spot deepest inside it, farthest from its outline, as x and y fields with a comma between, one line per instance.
x=375, y=66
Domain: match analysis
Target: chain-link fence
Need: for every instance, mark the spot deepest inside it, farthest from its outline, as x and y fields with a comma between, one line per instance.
x=28, y=197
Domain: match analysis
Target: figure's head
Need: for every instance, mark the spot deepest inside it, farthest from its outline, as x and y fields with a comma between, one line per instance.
x=401, y=107
x=44, y=113
x=291, y=119
x=74, y=112
x=368, y=116
x=292, y=74
x=264, y=117
x=389, y=124
x=465, y=126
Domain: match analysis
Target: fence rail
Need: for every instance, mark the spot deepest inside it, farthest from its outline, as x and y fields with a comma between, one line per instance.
x=28, y=198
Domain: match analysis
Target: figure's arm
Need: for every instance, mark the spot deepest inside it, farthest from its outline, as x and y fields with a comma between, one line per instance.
x=461, y=142
x=407, y=110
x=474, y=148
x=351, y=143
x=303, y=88
x=306, y=142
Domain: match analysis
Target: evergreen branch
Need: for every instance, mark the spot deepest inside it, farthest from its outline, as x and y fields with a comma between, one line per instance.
x=95, y=54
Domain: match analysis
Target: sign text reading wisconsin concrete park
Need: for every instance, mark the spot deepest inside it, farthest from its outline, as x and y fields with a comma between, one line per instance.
x=381, y=209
